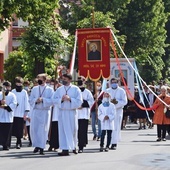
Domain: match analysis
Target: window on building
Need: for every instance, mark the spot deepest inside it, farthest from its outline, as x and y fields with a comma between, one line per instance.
x=15, y=22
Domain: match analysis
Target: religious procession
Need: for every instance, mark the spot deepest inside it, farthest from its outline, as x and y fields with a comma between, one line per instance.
x=57, y=112
x=54, y=112
x=84, y=84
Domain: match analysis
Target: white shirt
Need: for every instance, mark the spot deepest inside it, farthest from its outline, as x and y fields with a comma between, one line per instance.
x=11, y=101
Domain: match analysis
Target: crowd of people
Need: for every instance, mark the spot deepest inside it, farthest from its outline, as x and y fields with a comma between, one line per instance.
x=59, y=112
x=157, y=99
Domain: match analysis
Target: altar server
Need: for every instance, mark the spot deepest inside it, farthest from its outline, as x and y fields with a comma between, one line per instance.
x=84, y=114
x=106, y=114
x=21, y=110
x=8, y=104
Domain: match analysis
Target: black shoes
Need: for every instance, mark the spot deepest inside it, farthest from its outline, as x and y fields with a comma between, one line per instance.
x=98, y=139
x=158, y=140
x=80, y=151
x=113, y=147
x=18, y=146
x=63, y=153
x=50, y=149
x=74, y=151
x=140, y=128
x=41, y=151
x=38, y=149
x=106, y=149
x=101, y=149
x=163, y=139
x=94, y=137
x=5, y=148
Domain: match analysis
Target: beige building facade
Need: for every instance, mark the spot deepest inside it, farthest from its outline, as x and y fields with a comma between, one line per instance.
x=9, y=41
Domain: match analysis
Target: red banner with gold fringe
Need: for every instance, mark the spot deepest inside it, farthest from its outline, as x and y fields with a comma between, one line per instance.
x=94, y=53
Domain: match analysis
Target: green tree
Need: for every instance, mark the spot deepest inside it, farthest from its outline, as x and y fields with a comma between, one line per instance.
x=166, y=57
x=14, y=66
x=40, y=42
x=144, y=27
x=19, y=64
x=142, y=22
x=118, y=8
x=28, y=10
x=71, y=13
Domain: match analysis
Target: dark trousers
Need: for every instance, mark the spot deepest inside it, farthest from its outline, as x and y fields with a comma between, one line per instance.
x=5, y=134
x=161, y=131
x=168, y=129
x=82, y=133
x=17, y=130
x=109, y=135
x=28, y=131
x=54, y=140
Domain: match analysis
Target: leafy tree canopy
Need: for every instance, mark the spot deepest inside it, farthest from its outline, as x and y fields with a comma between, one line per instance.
x=28, y=10
x=144, y=27
x=14, y=66
x=41, y=41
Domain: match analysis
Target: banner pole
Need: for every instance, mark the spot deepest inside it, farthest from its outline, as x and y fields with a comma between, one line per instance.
x=93, y=17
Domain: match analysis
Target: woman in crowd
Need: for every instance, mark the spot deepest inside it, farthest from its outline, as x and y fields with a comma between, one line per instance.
x=159, y=117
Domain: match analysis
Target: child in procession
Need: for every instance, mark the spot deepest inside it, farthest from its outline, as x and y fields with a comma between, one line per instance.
x=106, y=114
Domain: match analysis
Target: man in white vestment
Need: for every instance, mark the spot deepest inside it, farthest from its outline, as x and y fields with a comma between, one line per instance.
x=8, y=104
x=68, y=99
x=21, y=110
x=84, y=114
x=41, y=102
x=119, y=98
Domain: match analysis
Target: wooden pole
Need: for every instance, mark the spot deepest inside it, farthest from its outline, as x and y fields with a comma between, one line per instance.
x=93, y=18
x=56, y=75
x=95, y=83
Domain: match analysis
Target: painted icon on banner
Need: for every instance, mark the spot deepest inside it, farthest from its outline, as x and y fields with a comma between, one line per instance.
x=94, y=50
x=125, y=76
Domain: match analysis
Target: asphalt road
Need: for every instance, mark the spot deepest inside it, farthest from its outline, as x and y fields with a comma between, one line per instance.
x=137, y=150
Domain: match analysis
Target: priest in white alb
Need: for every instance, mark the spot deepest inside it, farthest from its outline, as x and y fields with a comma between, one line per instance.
x=119, y=99
x=41, y=102
x=68, y=99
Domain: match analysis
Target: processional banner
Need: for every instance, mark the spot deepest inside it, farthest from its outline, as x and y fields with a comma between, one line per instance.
x=94, y=53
